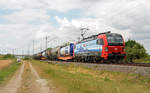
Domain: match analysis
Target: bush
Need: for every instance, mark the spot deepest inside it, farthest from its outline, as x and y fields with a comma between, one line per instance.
x=26, y=58
x=134, y=50
x=8, y=56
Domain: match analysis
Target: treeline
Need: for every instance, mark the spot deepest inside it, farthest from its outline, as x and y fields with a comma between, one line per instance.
x=7, y=56
x=134, y=50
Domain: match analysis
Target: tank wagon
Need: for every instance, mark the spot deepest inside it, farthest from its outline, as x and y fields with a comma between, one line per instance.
x=54, y=53
x=67, y=52
x=37, y=56
x=61, y=52
x=40, y=56
x=96, y=48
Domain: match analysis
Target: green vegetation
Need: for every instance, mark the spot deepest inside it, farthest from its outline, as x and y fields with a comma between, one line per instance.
x=7, y=56
x=79, y=79
x=8, y=71
x=26, y=58
x=65, y=44
x=48, y=48
x=134, y=50
x=144, y=59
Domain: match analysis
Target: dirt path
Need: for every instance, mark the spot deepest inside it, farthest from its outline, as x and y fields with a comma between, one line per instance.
x=31, y=82
x=26, y=80
x=14, y=83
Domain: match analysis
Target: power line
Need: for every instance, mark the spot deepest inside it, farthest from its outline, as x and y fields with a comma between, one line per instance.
x=83, y=31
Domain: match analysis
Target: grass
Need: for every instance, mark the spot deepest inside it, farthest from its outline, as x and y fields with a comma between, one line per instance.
x=1, y=57
x=8, y=71
x=73, y=79
x=143, y=60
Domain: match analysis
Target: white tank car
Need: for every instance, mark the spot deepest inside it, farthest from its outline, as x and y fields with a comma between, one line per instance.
x=54, y=51
x=64, y=51
x=48, y=52
x=43, y=54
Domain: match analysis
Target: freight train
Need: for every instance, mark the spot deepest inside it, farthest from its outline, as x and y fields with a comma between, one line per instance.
x=96, y=48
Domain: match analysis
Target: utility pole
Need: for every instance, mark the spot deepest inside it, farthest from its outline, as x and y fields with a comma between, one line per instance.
x=0, y=51
x=28, y=51
x=22, y=53
x=41, y=45
x=46, y=42
x=16, y=51
x=33, y=47
x=13, y=51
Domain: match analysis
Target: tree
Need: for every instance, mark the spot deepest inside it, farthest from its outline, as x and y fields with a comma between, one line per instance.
x=134, y=50
x=48, y=48
x=8, y=56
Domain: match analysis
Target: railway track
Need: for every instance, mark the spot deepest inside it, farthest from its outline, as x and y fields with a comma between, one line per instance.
x=136, y=68
x=135, y=64
x=123, y=64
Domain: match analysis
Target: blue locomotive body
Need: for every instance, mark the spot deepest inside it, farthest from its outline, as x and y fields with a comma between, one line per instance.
x=89, y=48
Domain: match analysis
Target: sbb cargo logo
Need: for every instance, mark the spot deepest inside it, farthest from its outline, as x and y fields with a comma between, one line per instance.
x=116, y=48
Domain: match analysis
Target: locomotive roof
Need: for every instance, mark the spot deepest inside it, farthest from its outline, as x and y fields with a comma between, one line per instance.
x=92, y=37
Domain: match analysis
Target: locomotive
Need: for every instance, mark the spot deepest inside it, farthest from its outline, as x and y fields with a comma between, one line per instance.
x=96, y=48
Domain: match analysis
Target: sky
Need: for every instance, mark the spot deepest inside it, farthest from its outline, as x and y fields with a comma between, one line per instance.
x=22, y=21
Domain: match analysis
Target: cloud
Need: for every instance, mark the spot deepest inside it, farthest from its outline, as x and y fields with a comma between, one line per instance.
x=30, y=19
x=32, y=16
x=125, y=16
x=95, y=26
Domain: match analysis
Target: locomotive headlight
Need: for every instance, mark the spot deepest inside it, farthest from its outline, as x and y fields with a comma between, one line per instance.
x=106, y=49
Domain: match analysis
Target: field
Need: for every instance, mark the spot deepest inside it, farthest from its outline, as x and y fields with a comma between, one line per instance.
x=7, y=69
x=73, y=79
x=4, y=63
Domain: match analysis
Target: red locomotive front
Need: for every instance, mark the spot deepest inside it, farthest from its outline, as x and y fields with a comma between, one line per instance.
x=113, y=46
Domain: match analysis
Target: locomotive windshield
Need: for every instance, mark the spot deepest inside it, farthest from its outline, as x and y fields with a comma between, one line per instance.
x=114, y=39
